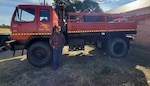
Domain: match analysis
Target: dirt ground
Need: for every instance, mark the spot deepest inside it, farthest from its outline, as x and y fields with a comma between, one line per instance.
x=91, y=67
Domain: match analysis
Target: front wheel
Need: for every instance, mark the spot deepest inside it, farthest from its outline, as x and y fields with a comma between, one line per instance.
x=117, y=47
x=39, y=54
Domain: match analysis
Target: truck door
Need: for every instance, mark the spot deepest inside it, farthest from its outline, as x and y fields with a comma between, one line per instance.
x=44, y=20
x=24, y=22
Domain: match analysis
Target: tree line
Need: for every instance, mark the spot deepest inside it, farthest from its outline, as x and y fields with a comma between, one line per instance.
x=4, y=26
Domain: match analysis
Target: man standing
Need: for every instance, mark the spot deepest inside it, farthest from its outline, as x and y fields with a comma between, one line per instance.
x=57, y=42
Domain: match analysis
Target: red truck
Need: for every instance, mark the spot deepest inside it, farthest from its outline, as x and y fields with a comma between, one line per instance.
x=31, y=28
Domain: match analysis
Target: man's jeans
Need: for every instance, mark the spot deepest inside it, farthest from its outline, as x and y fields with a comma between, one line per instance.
x=57, y=56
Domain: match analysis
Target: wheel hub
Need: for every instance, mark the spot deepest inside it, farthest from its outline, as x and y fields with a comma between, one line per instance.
x=39, y=53
x=118, y=48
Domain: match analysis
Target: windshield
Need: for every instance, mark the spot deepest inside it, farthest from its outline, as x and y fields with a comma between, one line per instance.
x=24, y=15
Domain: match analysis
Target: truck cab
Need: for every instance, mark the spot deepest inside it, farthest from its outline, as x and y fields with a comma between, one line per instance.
x=30, y=20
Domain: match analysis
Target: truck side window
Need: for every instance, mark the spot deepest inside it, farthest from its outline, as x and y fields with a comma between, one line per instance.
x=94, y=18
x=44, y=15
x=109, y=18
x=25, y=15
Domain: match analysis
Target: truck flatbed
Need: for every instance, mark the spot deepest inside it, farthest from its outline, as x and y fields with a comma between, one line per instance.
x=101, y=22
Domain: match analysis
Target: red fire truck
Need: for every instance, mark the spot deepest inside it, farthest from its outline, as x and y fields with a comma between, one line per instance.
x=31, y=28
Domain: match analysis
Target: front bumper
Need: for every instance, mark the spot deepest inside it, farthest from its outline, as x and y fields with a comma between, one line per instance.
x=15, y=45
x=10, y=44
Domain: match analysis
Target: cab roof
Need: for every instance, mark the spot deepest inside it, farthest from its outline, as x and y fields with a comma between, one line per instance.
x=36, y=6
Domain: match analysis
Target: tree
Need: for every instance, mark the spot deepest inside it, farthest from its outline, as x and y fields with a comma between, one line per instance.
x=77, y=6
x=4, y=26
x=91, y=5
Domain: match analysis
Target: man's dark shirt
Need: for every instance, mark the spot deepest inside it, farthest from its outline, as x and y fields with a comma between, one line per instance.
x=57, y=40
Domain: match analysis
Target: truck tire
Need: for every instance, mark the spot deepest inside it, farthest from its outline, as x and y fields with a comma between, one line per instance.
x=117, y=47
x=39, y=54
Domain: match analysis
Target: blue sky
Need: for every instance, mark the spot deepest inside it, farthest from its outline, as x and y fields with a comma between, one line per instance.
x=8, y=6
x=110, y=4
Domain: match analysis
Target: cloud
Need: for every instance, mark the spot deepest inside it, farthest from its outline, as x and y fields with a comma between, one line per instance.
x=115, y=0
x=106, y=7
x=5, y=19
x=110, y=4
x=6, y=10
x=6, y=14
x=8, y=3
x=107, y=1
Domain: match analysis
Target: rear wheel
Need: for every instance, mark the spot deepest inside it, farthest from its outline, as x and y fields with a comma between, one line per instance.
x=39, y=54
x=117, y=47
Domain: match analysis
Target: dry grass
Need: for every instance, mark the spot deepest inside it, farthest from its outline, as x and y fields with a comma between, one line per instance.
x=82, y=68
x=4, y=30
